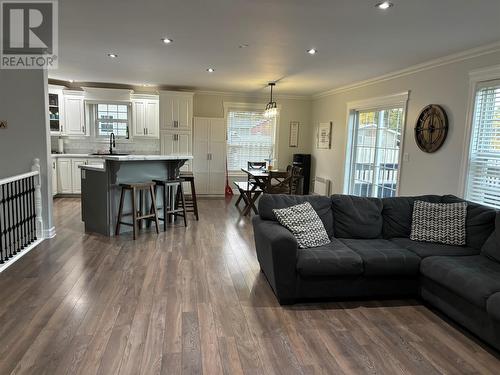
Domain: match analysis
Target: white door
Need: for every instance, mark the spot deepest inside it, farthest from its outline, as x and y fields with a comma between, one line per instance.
x=64, y=176
x=139, y=109
x=76, y=175
x=152, y=118
x=184, y=143
x=74, y=116
x=217, y=156
x=201, y=155
x=54, y=177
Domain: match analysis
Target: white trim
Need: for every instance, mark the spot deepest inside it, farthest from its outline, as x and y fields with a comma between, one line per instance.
x=445, y=60
x=399, y=99
x=51, y=232
x=18, y=177
x=476, y=77
x=18, y=256
x=255, y=107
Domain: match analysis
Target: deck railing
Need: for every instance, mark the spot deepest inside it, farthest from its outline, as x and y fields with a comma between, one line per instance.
x=20, y=213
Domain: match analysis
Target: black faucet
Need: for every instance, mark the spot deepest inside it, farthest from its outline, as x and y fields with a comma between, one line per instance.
x=112, y=143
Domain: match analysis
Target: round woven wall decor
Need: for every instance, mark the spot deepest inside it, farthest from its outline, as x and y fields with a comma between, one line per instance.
x=431, y=128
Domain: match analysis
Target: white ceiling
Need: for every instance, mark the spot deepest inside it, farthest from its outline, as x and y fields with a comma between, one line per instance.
x=355, y=40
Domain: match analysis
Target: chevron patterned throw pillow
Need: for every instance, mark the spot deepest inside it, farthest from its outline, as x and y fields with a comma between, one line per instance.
x=439, y=222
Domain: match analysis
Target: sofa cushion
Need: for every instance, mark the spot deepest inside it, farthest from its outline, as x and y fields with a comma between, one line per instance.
x=474, y=278
x=493, y=306
x=321, y=204
x=491, y=247
x=384, y=258
x=439, y=222
x=397, y=214
x=304, y=223
x=356, y=217
x=480, y=221
x=426, y=249
x=333, y=259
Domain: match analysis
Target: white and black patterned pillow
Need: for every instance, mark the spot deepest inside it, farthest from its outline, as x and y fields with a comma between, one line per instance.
x=304, y=223
x=439, y=222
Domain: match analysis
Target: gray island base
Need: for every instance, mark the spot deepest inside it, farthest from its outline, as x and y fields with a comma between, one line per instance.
x=101, y=186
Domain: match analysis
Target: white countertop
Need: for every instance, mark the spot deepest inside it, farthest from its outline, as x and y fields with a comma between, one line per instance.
x=126, y=157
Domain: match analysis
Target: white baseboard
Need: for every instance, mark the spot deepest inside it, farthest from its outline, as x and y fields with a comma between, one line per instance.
x=23, y=252
x=49, y=233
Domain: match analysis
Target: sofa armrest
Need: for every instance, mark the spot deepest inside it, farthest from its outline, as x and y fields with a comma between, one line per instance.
x=277, y=254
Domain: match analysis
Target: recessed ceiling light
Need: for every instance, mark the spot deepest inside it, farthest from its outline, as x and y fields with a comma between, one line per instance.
x=210, y=70
x=112, y=55
x=244, y=45
x=166, y=40
x=71, y=80
x=312, y=51
x=384, y=5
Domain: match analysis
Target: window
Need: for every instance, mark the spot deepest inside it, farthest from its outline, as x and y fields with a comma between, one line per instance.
x=111, y=118
x=250, y=137
x=374, y=152
x=483, y=174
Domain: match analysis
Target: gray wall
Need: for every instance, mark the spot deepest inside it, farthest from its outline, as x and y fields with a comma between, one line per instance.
x=437, y=173
x=23, y=104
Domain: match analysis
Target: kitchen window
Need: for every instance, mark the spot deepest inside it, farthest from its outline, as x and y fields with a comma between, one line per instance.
x=111, y=118
x=250, y=137
x=483, y=172
x=374, y=147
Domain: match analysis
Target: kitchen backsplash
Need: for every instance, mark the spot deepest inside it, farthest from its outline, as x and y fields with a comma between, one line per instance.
x=89, y=145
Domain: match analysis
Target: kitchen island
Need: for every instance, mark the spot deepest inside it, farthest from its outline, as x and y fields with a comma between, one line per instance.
x=101, y=185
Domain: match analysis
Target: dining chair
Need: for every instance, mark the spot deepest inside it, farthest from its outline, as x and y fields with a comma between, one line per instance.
x=279, y=182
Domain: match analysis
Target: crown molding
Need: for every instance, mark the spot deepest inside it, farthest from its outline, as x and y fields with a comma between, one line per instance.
x=445, y=60
x=253, y=95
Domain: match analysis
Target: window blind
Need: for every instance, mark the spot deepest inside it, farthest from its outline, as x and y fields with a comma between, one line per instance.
x=111, y=118
x=250, y=138
x=483, y=182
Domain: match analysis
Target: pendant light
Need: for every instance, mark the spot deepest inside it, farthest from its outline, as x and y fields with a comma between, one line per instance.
x=271, y=107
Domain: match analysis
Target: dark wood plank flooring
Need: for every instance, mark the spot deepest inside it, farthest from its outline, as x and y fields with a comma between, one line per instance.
x=193, y=301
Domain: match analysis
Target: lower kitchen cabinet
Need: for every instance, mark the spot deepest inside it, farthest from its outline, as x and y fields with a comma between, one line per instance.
x=69, y=174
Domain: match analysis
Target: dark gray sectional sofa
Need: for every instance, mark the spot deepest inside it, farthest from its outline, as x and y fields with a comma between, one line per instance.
x=371, y=255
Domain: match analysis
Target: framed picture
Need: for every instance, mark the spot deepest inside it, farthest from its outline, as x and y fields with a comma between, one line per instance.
x=324, y=135
x=294, y=134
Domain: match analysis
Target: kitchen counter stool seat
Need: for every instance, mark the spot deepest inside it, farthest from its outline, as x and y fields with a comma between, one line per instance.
x=137, y=215
x=172, y=207
x=191, y=201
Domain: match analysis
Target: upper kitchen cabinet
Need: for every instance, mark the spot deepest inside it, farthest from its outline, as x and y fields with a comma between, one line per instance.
x=56, y=110
x=176, y=110
x=74, y=113
x=145, y=116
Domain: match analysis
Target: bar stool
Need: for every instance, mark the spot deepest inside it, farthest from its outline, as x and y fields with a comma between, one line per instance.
x=137, y=215
x=191, y=202
x=171, y=207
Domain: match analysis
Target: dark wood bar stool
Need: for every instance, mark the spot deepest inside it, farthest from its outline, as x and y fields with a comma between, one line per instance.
x=137, y=215
x=172, y=207
x=191, y=202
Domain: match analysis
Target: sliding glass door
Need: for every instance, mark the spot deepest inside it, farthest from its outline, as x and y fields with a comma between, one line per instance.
x=374, y=152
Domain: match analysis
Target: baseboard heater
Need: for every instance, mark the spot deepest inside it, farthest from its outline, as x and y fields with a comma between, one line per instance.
x=321, y=186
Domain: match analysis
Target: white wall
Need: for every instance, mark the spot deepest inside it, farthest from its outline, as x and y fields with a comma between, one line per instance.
x=446, y=85
x=23, y=104
x=212, y=105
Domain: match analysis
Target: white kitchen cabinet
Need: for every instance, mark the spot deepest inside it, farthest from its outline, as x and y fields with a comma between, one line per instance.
x=76, y=179
x=64, y=176
x=209, y=155
x=175, y=143
x=54, y=177
x=56, y=110
x=74, y=113
x=145, y=116
x=176, y=110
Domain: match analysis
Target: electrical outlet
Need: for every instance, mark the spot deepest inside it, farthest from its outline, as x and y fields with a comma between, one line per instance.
x=406, y=157
x=3, y=124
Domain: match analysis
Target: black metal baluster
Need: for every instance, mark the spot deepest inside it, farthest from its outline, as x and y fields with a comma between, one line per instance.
x=4, y=203
x=25, y=210
x=30, y=228
x=9, y=215
x=21, y=210
x=1, y=229
x=18, y=217
x=33, y=213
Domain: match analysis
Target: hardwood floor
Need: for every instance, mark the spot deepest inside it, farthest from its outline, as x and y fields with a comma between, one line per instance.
x=193, y=301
